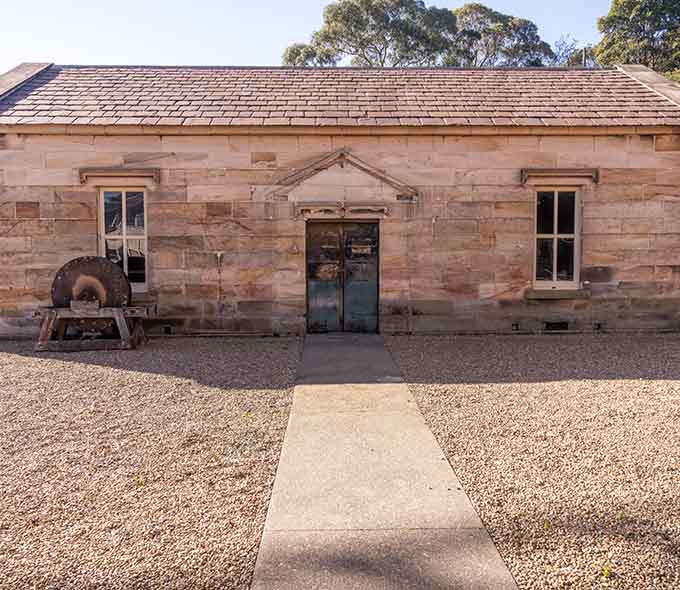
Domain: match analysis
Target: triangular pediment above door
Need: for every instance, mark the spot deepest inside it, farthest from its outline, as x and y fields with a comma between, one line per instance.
x=340, y=176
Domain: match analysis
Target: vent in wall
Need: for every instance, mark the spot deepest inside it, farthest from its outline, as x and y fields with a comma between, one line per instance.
x=556, y=326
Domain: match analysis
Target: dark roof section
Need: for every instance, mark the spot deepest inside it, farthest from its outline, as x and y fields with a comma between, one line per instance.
x=238, y=96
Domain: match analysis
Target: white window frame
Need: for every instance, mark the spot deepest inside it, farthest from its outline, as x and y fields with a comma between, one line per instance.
x=576, y=236
x=136, y=287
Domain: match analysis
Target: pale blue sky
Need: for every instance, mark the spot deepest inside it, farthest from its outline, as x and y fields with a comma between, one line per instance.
x=212, y=32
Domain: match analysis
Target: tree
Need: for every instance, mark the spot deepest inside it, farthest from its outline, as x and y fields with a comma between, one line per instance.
x=569, y=52
x=378, y=33
x=490, y=38
x=645, y=32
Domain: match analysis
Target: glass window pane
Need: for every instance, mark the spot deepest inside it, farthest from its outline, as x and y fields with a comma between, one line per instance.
x=136, y=261
x=113, y=213
x=134, y=213
x=114, y=251
x=566, y=213
x=565, y=259
x=544, y=259
x=545, y=213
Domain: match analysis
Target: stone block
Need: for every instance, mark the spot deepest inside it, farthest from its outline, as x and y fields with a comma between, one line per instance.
x=68, y=210
x=165, y=193
x=218, y=192
x=612, y=244
x=75, y=227
x=565, y=143
x=495, y=177
x=601, y=226
x=624, y=209
x=15, y=244
x=218, y=209
x=514, y=209
x=27, y=210
x=7, y=210
x=615, y=192
x=469, y=210
x=629, y=176
x=667, y=143
x=200, y=259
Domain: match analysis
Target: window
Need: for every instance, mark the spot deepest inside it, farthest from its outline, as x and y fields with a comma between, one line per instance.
x=122, y=230
x=557, y=244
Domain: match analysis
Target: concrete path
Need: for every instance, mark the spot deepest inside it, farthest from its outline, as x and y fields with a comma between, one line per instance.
x=364, y=497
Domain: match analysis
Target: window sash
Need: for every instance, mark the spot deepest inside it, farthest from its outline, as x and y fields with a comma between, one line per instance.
x=555, y=236
x=123, y=236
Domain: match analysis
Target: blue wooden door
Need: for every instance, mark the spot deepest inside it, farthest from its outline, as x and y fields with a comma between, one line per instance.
x=342, y=277
x=360, y=289
x=324, y=277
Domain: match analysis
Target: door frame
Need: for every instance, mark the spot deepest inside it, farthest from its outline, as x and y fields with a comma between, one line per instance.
x=341, y=221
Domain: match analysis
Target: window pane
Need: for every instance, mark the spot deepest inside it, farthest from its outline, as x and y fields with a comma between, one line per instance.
x=136, y=261
x=544, y=260
x=114, y=251
x=113, y=213
x=566, y=210
x=545, y=213
x=565, y=259
x=134, y=209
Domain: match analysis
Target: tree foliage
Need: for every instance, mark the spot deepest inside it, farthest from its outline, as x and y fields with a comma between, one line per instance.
x=570, y=53
x=490, y=38
x=408, y=33
x=643, y=32
x=378, y=33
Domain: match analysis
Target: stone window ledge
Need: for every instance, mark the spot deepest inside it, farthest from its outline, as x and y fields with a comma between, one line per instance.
x=556, y=294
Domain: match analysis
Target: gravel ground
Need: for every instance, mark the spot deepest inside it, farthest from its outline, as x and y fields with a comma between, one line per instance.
x=568, y=446
x=142, y=469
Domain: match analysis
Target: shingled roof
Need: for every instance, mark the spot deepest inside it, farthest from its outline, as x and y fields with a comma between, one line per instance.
x=238, y=96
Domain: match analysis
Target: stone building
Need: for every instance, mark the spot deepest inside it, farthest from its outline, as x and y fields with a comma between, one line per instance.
x=277, y=200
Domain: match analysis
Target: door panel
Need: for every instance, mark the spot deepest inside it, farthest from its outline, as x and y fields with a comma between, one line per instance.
x=324, y=277
x=361, y=277
x=342, y=277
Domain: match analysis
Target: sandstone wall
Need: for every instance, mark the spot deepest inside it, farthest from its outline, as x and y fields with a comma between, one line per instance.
x=224, y=257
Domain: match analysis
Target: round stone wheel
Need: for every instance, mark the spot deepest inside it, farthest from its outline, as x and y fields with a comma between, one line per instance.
x=91, y=278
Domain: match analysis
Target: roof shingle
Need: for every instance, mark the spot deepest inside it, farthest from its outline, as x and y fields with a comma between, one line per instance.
x=237, y=96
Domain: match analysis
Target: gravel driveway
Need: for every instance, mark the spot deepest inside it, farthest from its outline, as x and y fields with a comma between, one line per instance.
x=142, y=469
x=568, y=446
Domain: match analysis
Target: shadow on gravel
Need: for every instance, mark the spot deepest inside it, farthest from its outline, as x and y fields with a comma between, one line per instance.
x=516, y=359
x=363, y=358
x=199, y=359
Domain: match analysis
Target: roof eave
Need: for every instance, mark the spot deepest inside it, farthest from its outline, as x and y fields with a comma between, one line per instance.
x=71, y=129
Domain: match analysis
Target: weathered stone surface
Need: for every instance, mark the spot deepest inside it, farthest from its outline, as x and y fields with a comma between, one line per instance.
x=222, y=255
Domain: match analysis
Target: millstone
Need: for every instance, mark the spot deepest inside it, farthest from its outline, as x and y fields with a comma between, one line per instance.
x=91, y=278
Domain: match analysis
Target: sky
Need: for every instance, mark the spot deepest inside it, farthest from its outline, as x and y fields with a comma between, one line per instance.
x=213, y=32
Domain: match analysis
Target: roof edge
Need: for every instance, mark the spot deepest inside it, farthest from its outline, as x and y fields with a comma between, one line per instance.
x=16, y=77
x=429, y=130
x=653, y=81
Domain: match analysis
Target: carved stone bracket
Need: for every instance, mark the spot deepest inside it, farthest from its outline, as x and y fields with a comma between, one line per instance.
x=336, y=210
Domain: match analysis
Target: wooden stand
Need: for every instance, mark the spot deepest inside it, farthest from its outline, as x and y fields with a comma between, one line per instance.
x=55, y=321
